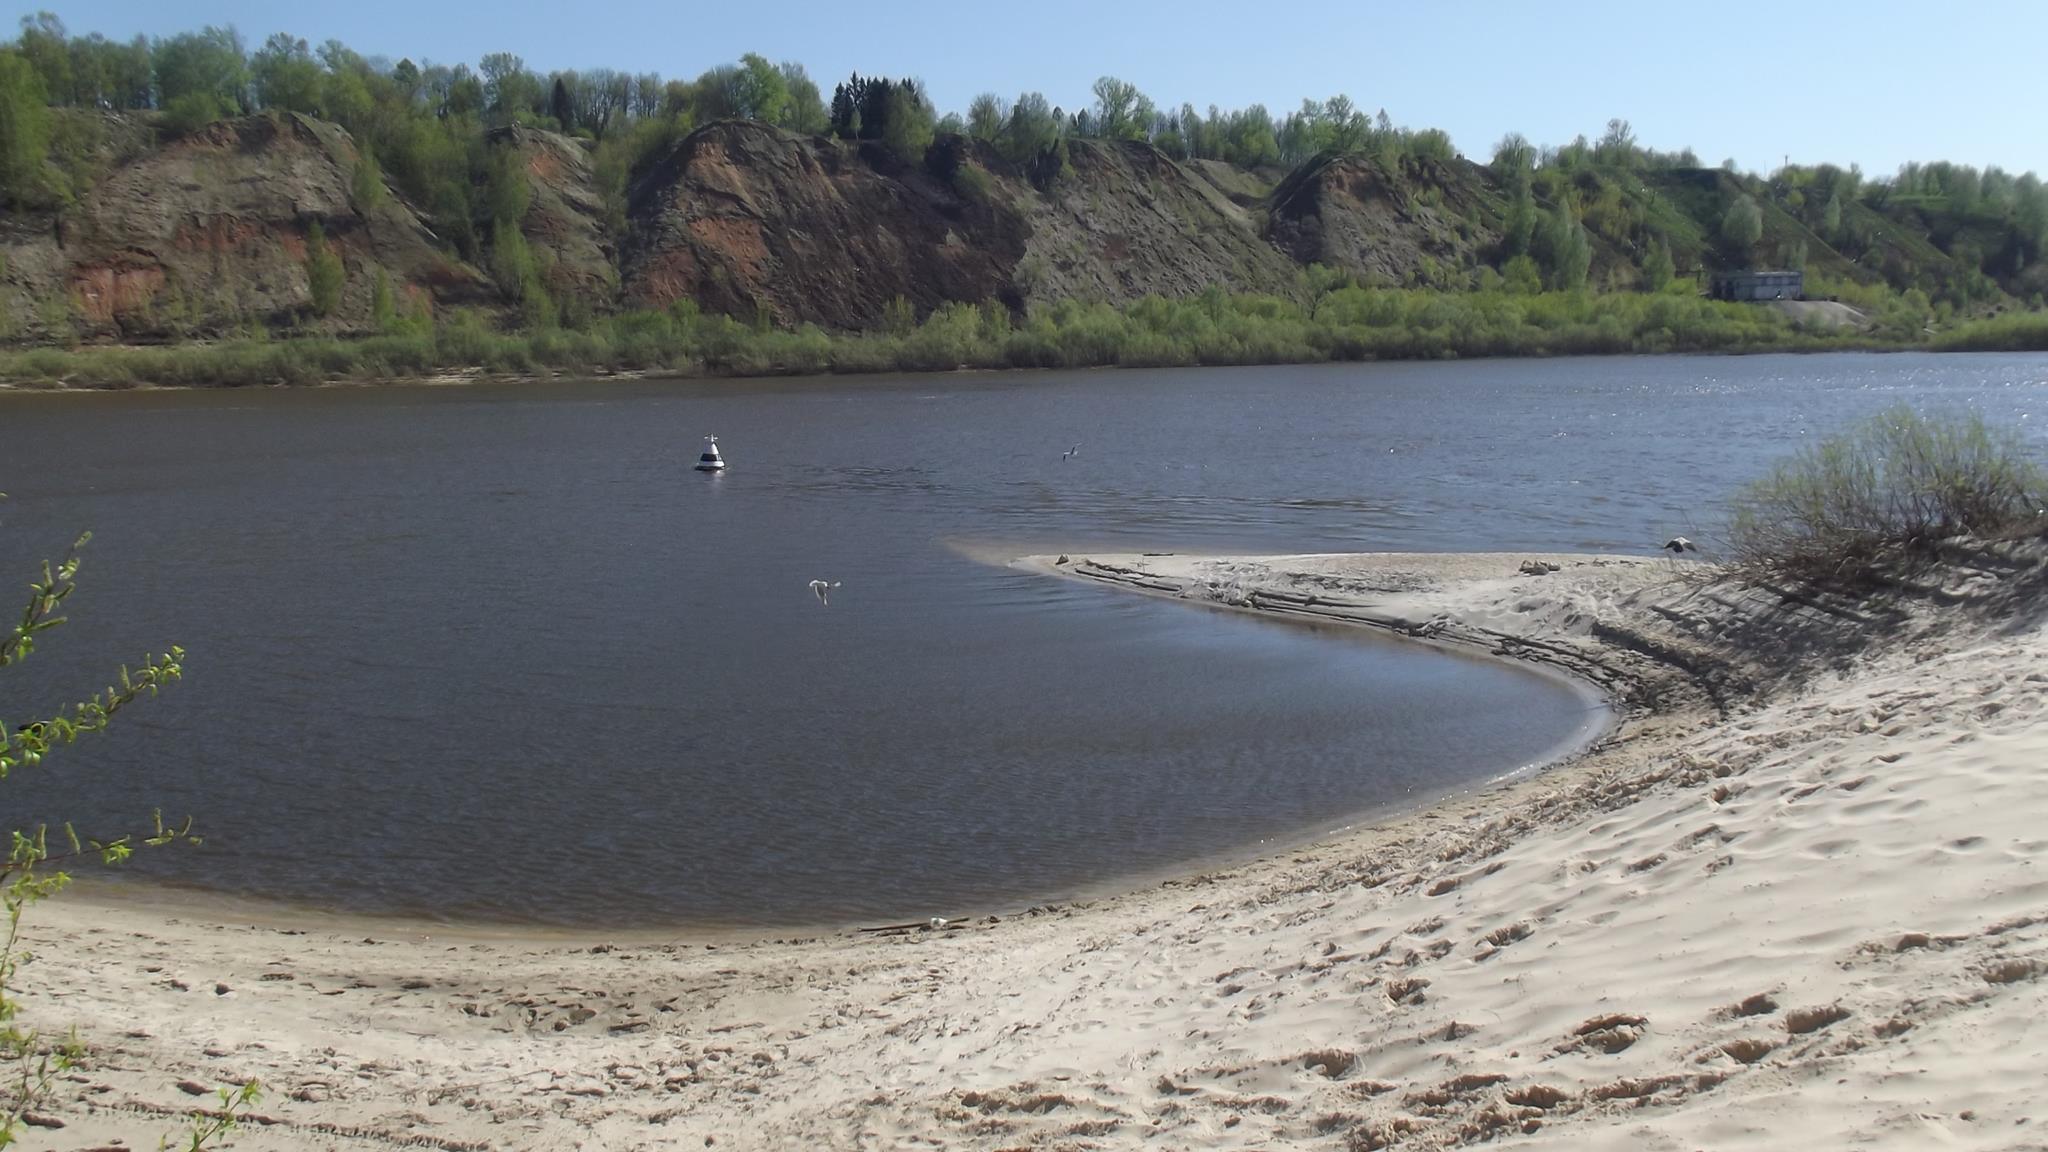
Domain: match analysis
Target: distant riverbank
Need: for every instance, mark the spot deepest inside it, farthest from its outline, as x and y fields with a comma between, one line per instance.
x=1351, y=324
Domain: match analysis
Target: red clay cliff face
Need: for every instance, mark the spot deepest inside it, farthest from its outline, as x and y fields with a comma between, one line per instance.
x=741, y=217
x=208, y=232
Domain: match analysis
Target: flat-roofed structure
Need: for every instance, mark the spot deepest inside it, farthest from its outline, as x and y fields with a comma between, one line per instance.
x=1758, y=286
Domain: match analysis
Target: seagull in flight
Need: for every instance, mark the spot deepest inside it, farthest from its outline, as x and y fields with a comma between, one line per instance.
x=1070, y=453
x=1679, y=544
x=823, y=591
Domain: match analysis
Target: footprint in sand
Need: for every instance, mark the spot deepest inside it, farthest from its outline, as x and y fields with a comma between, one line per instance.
x=1801, y=1021
x=1760, y=1004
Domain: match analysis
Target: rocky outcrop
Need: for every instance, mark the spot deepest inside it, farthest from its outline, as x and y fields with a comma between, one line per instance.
x=208, y=232
x=741, y=218
x=1128, y=222
x=564, y=222
x=1428, y=223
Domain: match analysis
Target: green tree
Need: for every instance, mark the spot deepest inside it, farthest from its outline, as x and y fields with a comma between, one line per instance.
x=908, y=132
x=804, y=109
x=1121, y=111
x=285, y=75
x=1513, y=159
x=986, y=116
x=1566, y=251
x=208, y=63
x=1658, y=268
x=45, y=43
x=1831, y=216
x=509, y=89
x=560, y=107
x=512, y=265
x=324, y=273
x=24, y=130
x=1033, y=130
x=759, y=90
x=1617, y=146
x=1743, y=226
x=1518, y=230
x=366, y=182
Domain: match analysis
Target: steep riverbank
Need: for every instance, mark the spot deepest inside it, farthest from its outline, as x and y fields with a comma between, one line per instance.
x=1792, y=899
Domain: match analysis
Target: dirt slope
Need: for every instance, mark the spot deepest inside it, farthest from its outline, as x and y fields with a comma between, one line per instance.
x=1130, y=222
x=1424, y=223
x=743, y=217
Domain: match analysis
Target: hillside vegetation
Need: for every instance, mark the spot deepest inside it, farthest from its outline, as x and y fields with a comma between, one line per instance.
x=187, y=189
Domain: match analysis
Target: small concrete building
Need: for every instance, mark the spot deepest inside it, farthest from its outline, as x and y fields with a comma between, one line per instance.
x=1758, y=286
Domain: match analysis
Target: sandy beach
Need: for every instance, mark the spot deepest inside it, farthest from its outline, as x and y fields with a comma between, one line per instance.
x=1795, y=897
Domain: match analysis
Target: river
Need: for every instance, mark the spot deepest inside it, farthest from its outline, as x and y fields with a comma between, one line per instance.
x=496, y=653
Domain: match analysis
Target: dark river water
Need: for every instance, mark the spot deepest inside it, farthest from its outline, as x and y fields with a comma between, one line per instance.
x=496, y=653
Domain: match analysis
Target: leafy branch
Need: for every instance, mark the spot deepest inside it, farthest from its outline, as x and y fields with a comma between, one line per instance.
x=32, y=869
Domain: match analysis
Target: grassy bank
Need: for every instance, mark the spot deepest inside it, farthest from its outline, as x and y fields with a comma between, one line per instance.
x=1348, y=323
x=2012, y=332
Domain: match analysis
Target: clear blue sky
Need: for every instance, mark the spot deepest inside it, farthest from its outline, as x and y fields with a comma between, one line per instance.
x=1874, y=83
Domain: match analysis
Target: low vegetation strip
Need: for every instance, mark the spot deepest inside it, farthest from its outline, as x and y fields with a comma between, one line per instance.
x=1213, y=329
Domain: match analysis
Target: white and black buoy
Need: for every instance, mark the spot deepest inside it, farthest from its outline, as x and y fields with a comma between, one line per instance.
x=711, y=461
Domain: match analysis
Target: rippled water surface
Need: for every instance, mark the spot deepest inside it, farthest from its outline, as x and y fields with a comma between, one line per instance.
x=497, y=653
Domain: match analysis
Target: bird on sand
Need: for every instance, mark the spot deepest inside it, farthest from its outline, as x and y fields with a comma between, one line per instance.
x=1070, y=453
x=823, y=591
x=1679, y=544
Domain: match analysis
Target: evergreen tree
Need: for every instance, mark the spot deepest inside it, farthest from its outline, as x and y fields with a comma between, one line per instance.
x=845, y=114
x=560, y=107
x=872, y=97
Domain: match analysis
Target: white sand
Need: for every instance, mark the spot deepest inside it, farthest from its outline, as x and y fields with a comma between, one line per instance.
x=1771, y=911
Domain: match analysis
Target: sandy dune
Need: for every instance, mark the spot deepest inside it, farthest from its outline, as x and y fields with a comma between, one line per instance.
x=1796, y=899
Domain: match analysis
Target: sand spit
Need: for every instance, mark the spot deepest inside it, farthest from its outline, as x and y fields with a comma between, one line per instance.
x=1796, y=899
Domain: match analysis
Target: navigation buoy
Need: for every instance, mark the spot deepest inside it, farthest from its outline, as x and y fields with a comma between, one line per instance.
x=710, y=461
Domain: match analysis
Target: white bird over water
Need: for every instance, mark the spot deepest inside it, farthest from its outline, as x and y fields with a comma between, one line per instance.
x=1679, y=544
x=1070, y=453
x=823, y=591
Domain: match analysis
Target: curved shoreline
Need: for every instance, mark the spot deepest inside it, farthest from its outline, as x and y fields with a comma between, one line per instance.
x=1755, y=899
x=1600, y=685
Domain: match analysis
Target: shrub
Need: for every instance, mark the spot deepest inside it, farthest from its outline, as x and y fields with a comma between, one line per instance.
x=2012, y=332
x=973, y=184
x=323, y=272
x=191, y=112
x=1895, y=485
